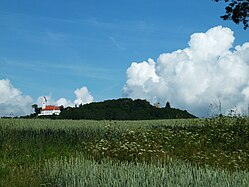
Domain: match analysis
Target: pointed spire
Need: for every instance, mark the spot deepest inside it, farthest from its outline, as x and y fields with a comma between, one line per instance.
x=44, y=102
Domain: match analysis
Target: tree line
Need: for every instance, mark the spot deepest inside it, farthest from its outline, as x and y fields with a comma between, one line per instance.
x=120, y=109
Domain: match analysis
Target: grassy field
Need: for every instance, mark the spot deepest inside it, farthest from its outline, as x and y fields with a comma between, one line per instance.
x=210, y=152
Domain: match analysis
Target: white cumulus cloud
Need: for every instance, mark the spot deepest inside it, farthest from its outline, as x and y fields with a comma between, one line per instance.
x=64, y=102
x=12, y=101
x=82, y=96
x=51, y=101
x=209, y=70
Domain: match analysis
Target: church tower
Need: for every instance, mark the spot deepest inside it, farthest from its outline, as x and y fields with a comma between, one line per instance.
x=44, y=102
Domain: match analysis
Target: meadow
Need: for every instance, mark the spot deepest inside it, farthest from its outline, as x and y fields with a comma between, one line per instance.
x=193, y=152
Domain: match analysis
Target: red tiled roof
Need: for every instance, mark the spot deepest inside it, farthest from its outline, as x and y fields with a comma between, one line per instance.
x=51, y=108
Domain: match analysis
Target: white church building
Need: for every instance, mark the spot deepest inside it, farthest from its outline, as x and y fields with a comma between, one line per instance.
x=49, y=109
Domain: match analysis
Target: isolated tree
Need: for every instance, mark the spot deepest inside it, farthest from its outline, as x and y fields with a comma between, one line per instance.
x=62, y=107
x=36, y=108
x=237, y=11
x=167, y=105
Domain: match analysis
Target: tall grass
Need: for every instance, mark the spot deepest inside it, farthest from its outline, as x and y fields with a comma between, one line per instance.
x=77, y=171
x=27, y=146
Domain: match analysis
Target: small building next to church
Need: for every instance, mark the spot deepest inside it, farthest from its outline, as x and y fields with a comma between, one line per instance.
x=49, y=109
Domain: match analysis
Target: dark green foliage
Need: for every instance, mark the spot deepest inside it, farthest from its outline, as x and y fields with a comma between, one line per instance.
x=123, y=109
x=167, y=105
x=36, y=109
x=237, y=11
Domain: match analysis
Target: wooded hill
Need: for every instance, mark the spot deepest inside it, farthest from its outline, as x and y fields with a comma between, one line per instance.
x=123, y=109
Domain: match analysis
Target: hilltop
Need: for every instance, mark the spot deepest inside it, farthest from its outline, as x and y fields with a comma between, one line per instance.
x=123, y=109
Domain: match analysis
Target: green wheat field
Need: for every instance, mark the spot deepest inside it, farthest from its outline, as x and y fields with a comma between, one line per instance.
x=194, y=152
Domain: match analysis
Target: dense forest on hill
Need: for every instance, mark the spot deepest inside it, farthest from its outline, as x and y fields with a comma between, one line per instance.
x=123, y=109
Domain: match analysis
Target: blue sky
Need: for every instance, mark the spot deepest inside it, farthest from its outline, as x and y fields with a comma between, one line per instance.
x=54, y=47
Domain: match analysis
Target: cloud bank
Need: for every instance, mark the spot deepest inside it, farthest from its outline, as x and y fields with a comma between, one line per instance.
x=208, y=71
x=82, y=95
x=12, y=101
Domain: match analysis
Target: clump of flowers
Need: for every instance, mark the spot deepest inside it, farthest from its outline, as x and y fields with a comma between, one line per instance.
x=219, y=142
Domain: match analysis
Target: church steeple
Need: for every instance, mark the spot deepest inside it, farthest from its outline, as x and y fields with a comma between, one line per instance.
x=44, y=102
